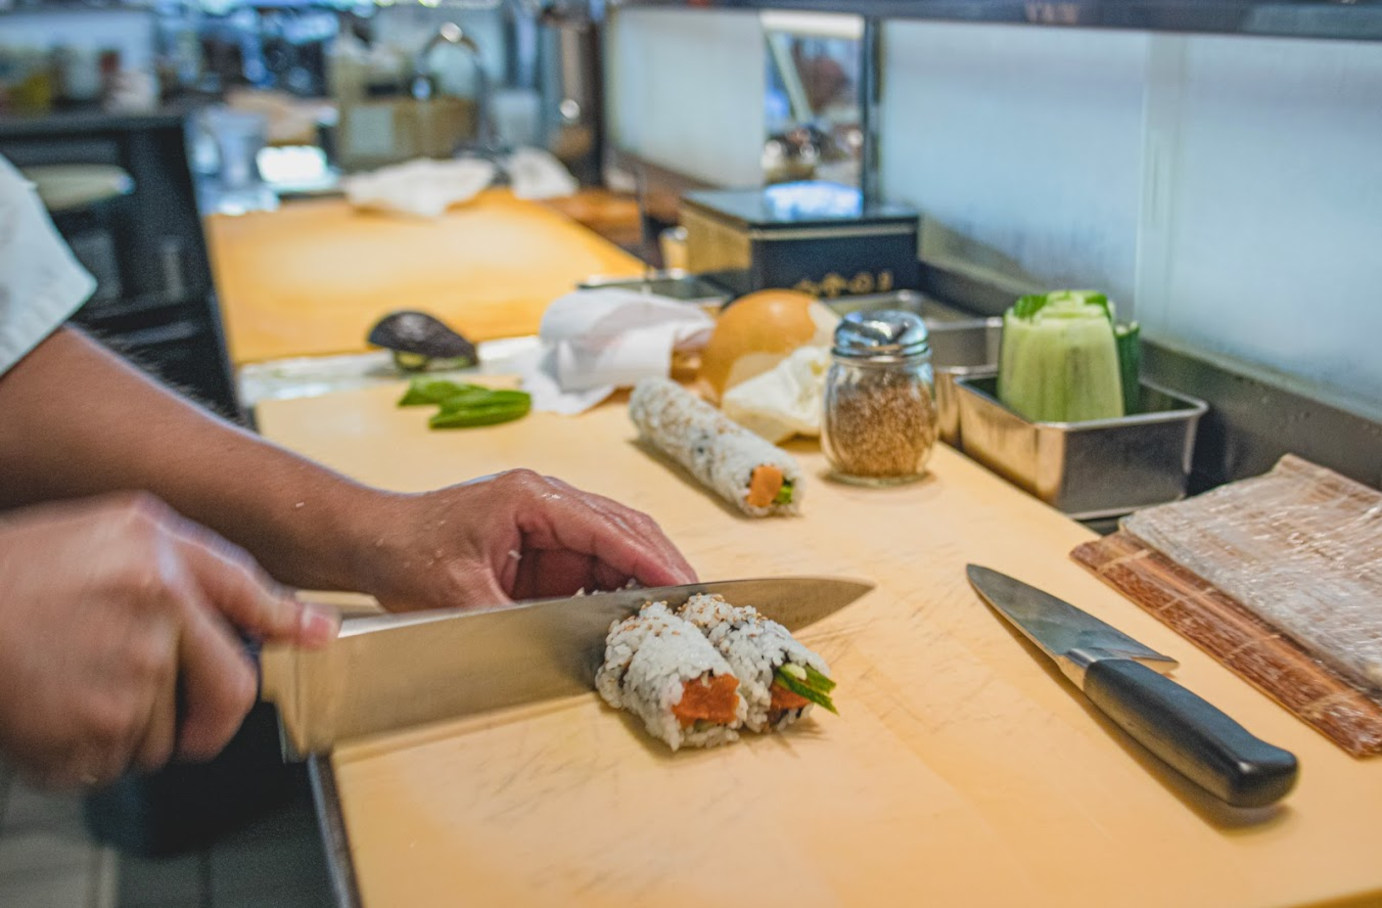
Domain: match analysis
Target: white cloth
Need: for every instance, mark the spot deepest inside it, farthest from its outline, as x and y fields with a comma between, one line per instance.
x=784, y=401
x=421, y=188
x=537, y=174
x=594, y=341
x=41, y=284
x=426, y=188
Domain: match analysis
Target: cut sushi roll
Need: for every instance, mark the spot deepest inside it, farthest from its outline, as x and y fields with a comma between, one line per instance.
x=779, y=679
x=751, y=473
x=663, y=670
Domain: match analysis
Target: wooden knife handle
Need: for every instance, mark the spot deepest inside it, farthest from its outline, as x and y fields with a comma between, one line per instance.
x=1190, y=734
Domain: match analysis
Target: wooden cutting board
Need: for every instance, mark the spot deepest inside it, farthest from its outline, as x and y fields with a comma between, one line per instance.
x=313, y=276
x=962, y=769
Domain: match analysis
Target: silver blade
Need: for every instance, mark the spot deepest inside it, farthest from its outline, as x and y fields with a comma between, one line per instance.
x=389, y=672
x=1061, y=630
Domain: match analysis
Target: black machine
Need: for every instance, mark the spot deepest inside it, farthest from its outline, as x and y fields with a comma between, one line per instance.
x=155, y=301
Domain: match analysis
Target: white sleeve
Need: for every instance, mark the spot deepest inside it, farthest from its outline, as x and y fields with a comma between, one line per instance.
x=41, y=284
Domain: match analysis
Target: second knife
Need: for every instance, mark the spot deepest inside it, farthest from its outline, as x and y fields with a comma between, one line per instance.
x=1193, y=736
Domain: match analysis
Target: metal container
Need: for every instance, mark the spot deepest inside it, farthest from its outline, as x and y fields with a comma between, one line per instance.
x=1093, y=469
x=820, y=238
x=673, y=283
x=961, y=345
x=879, y=424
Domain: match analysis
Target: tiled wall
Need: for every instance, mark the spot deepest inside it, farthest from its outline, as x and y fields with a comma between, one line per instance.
x=128, y=31
x=405, y=28
x=1227, y=190
x=687, y=91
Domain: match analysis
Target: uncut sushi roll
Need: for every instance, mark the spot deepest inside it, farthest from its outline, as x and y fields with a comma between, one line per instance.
x=751, y=473
x=779, y=679
x=663, y=670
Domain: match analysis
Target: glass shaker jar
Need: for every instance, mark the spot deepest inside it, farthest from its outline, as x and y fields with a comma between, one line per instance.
x=880, y=420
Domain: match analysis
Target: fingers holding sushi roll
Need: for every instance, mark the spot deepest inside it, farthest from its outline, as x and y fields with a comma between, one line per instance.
x=514, y=535
x=617, y=543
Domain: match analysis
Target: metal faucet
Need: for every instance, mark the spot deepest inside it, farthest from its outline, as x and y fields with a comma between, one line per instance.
x=422, y=86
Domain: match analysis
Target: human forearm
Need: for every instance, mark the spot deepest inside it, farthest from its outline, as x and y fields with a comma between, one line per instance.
x=76, y=421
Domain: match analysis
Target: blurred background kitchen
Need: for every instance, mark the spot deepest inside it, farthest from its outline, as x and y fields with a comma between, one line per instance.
x=1216, y=167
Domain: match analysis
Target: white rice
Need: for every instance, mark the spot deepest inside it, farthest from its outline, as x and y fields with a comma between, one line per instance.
x=649, y=658
x=716, y=450
x=755, y=647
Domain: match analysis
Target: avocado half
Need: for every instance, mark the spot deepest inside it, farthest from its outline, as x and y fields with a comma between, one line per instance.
x=421, y=342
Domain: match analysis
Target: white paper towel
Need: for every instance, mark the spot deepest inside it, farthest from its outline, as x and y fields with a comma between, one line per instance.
x=784, y=401
x=535, y=173
x=421, y=188
x=594, y=341
x=426, y=188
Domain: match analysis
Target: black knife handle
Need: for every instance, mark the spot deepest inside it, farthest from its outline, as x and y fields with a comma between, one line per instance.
x=1193, y=736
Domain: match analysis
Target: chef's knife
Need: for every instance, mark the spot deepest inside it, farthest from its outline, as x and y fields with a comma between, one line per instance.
x=1191, y=735
x=392, y=671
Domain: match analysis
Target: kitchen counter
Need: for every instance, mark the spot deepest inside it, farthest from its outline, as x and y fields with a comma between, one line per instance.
x=311, y=277
x=962, y=769
x=612, y=215
x=92, y=119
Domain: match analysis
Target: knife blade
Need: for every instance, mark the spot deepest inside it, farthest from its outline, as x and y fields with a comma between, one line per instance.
x=392, y=671
x=1187, y=732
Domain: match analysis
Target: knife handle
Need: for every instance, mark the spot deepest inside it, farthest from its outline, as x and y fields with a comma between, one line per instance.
x=1190, y=734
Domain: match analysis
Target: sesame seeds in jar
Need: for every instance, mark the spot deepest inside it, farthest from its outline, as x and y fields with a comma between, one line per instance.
x=880, y=420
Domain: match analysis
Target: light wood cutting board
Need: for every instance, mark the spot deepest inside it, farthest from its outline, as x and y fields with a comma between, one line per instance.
x=313, y=276
x=962, y=770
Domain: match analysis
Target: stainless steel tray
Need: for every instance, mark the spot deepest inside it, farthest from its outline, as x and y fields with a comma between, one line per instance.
x=674, y=283
x=961, y=345
x=1094, y=469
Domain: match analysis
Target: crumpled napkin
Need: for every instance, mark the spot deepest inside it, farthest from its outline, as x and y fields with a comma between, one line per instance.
x=594, y=341
x=426, y=188
x=422, y=188
x=537, y=174
x=786, y=400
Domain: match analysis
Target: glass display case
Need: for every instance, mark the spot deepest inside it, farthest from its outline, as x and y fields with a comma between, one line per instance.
x=1354, y=20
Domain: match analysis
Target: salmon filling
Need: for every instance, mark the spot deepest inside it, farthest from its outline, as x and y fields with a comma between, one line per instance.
x=710, y=699
x=764, y=484
x=784, y=699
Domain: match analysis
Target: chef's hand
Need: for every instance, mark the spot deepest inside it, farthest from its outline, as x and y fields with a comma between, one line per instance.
x=514, y=535
x=116, y=648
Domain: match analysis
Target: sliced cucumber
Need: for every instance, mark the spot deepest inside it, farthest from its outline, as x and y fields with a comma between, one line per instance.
x=801, y=690
x=818, y=681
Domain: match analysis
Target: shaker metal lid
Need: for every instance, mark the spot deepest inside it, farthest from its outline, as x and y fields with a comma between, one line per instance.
x=884, y=334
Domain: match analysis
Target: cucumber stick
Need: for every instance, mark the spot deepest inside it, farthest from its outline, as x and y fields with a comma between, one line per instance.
x=803, y=689
x=1059, y=360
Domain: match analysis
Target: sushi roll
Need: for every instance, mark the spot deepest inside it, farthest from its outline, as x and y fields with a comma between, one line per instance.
x=779, y=679
x=754, y=475
x=663, y=670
